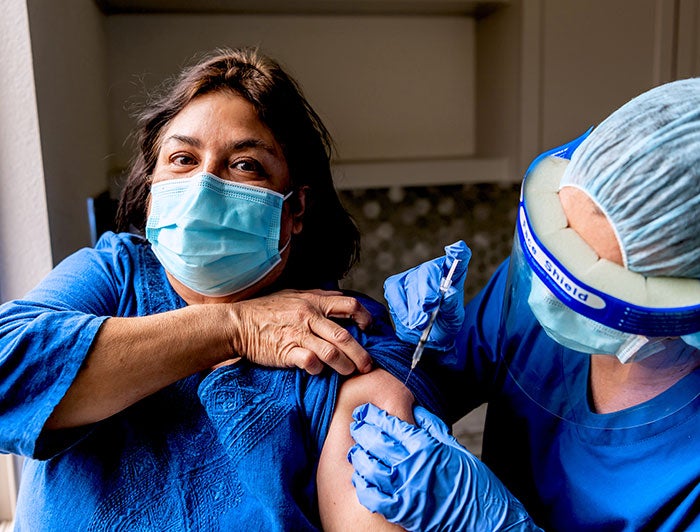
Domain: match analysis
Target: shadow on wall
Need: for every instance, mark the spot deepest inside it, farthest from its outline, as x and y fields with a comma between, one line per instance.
x=404, y=226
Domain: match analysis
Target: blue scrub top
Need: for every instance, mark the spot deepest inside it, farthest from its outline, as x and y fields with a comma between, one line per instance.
x=574, y=469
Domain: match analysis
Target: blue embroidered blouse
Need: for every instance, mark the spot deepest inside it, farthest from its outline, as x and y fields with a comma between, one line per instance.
x=229, y=449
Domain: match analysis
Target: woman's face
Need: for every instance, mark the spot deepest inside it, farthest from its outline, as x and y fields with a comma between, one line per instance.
x=220, y=133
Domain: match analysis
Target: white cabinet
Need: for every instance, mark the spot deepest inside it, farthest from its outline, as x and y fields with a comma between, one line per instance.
x=549, y=69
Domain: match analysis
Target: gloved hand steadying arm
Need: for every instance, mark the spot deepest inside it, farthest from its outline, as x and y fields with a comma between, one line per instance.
x=421, y=478
x=413, y=294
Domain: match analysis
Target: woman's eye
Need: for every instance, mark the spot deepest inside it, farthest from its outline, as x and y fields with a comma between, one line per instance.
x=248, y=166
x=183, y=160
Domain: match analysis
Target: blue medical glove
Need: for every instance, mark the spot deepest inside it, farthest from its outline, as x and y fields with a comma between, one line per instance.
x=413, y=294
x=421, y=478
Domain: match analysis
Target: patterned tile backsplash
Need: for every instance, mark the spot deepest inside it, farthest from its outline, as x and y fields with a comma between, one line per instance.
x=404, y=226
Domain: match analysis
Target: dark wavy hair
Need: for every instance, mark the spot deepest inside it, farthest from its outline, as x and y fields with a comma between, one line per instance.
x=329, y=243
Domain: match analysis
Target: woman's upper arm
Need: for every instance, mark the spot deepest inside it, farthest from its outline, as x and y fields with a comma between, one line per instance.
x=338, y=504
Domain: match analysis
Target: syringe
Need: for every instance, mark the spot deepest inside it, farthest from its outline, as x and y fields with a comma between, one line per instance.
x=445, y=284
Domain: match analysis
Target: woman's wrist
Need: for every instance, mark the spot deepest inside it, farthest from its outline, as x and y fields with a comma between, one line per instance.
x=233, y=328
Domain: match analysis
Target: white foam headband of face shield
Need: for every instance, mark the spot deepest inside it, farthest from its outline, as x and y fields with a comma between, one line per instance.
x=549, y=223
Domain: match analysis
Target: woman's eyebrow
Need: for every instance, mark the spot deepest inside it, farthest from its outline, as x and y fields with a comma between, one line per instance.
x=252, y=142
x=184, y=139
x=236, y=145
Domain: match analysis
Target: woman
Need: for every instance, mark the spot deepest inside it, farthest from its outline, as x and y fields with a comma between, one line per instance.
x=106, y=380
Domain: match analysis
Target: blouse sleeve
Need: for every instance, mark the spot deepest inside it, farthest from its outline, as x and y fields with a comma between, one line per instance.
x=45, y=337
x=394, y=356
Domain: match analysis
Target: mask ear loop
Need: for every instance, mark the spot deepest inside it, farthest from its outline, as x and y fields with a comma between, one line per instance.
x=630, y=347
x=284, y=198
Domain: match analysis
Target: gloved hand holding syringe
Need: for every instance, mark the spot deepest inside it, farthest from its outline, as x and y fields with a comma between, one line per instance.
x=445, y=283
x=427, y=302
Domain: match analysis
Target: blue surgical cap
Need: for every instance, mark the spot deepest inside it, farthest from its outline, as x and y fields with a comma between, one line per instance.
x=641, y=166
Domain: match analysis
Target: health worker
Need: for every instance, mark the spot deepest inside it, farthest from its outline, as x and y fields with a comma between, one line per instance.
x=585, y=344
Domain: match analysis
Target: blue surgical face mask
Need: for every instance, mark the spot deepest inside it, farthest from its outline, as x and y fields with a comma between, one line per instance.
x=569, y=328
x=577, y=332
x=214, y=236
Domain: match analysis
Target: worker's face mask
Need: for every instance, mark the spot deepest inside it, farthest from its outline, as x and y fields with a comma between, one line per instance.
x=585, y=303
x=576, y=332
x=214, y=236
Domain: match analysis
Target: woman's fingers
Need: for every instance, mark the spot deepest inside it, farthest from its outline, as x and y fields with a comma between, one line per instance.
x=292, y=328
x=330, y=342
x=306, y=360
x=335, y=305
x=337, y=348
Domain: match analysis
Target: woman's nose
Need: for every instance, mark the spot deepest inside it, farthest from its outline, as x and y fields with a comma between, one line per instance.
x=213, y=165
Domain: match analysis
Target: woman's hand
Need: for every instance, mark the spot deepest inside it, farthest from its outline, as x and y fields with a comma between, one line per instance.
x=291, y=329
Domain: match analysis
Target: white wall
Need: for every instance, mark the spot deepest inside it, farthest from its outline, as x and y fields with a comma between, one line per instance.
x=25, y=250
x=499, y=48
x=25, y=253
x=68, y=47
x=387, y=87
x=8, y=489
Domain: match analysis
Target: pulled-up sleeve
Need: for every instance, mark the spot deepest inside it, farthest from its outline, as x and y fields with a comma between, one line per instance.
x=45, y=337
x=394, y=356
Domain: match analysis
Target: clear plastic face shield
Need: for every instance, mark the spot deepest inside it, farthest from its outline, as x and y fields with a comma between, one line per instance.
x=585, y=304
